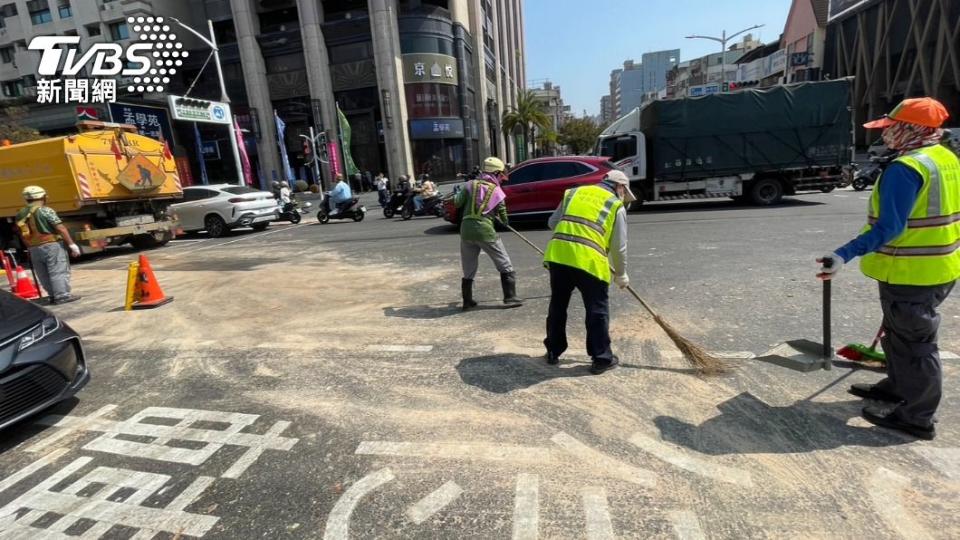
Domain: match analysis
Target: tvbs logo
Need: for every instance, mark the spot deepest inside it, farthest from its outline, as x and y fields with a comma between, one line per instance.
x=149, y=62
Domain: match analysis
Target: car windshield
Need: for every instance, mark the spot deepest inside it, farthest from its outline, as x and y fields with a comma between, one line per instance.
x=239, y=190
x=618, y=148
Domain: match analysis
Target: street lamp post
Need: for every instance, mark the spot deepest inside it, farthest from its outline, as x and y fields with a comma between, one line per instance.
x=723, y=48
x=234, y=133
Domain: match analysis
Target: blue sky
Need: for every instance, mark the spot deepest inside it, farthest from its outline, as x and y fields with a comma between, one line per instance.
x=576, y=43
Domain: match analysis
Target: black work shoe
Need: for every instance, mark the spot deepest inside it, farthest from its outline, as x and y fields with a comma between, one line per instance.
x=870, y=391
x=597, y=369
x=66, y=300
x=553, y=359
x=887, y=419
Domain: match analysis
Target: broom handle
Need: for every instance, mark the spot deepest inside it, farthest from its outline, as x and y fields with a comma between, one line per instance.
x=540, y=251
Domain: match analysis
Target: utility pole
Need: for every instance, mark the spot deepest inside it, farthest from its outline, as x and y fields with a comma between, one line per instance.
x=722, y=40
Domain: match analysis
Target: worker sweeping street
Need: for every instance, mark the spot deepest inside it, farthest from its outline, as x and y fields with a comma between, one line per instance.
x=42, y=230
x=909, y=246
x=589, y=237
x=479, y=203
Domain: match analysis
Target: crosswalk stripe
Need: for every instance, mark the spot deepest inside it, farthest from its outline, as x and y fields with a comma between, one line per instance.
x=434, y=502
x=599, y=526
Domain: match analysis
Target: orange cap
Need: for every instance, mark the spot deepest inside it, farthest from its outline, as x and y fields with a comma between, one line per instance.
x=921, y=111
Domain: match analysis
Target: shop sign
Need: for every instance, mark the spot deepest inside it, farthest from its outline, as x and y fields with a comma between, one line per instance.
x=430, y=67
x=436, y=128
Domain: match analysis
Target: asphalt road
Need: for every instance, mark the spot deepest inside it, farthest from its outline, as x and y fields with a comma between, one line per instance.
x=319, y=381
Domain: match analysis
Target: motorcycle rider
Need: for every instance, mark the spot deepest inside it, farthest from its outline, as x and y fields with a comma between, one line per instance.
x=285, y=193
x=275, y=189
x=340, y=196
x=426, y=191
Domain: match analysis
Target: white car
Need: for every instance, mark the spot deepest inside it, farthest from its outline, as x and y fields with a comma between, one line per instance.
x=221, y=207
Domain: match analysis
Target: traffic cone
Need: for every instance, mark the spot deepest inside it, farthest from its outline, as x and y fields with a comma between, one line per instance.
x=148, y=293
x=8, y=271
x=26, y=288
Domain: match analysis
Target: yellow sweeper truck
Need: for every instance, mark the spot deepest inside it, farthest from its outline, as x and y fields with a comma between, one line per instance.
x=109, y=184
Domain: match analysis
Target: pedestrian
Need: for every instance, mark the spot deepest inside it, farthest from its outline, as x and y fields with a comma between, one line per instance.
x=479, y=204
x=367, y=181
x=909, y=246
x=589, y=237
x=383, y=191
x=42, y=230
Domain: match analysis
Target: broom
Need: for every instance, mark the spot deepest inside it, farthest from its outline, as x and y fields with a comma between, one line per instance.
x=703, y=362
x=859, y=352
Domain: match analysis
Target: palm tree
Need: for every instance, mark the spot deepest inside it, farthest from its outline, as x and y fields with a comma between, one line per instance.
x=527, y=112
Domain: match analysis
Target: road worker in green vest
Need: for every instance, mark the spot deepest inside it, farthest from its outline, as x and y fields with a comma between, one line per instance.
x=910, y=246
x=42, y=230
x=589, y=238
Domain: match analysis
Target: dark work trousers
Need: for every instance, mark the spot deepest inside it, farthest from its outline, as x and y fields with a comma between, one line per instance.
x=563, y=280
x=914, y=372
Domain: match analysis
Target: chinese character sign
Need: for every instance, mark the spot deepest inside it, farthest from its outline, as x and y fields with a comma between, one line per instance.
x=152, y=122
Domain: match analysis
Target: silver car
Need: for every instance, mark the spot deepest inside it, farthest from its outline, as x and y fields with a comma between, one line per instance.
x=221, y=207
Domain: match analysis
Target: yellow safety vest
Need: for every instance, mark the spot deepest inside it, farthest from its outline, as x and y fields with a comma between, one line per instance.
x=582, y=238
x=927, y=251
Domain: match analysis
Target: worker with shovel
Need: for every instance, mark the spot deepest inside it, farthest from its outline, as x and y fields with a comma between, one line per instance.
x=41, y=229
x=910, y=246
x=589, y=237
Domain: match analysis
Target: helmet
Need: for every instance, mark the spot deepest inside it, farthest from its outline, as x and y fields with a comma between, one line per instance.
x=493, y=164
x=275, y=184
x=33, y=193
x=284, y=184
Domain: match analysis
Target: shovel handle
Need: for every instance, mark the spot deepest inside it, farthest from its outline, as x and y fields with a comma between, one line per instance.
x=827, y=347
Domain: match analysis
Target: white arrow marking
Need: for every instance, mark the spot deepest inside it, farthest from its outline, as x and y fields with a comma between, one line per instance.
x=599, y=526
x=884, y=487
x=338, y=524
x=434, y=502
x=611, y=466
x=526, y=509
x=675, y=457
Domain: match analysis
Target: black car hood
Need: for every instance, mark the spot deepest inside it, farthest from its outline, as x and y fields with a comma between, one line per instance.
x=17, y=315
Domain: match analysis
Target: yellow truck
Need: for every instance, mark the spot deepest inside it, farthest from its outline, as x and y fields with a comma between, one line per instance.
x=109, y=184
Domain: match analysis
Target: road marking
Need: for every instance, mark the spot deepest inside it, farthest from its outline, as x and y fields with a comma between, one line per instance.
x=841, y=196
x=71, y=423
x=254, y=452
x=16, y=477
x=674, y=456
x=338, y=524
x=400, y=348
x=113, y=497
x=434, y=502
x=946, y=460
x=599, y=526
x=526, y=509
x=594, y=458
x=864, y=198
x=193, y=491
x=485, y=451
x=884, y=487
x=247, y=237
x=686, y=525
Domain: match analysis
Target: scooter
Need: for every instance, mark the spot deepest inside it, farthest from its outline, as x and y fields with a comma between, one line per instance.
x=293, y=210
x=396, y=203
x=354, y=211
x=868, y=175
x=432, y=206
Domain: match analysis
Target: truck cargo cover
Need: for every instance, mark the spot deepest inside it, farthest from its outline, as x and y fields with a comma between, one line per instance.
x=784, y=127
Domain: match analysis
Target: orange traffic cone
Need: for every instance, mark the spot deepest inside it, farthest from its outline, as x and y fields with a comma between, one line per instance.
x=148, y=293
x=25, y=288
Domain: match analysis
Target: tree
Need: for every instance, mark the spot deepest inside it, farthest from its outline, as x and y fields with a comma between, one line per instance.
x=12, y=127
x=545, y=140
x=528, y=112
x=579, y=134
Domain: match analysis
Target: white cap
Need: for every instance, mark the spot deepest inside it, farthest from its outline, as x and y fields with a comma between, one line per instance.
x=617, y=177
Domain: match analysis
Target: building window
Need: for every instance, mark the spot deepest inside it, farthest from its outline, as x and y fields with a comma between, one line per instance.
x=6, y=55
x=30, y=81
x=42, y=16
x=93, y=30
x=119, y=31
x=12, y=89
x=66, y=11
x=9, y=10
x=425, y=44
x=428, y=100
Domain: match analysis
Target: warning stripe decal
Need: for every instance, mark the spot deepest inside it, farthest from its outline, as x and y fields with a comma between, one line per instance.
x=84, y=186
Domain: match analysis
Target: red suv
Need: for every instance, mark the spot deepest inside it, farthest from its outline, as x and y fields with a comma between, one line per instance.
x=536, y=186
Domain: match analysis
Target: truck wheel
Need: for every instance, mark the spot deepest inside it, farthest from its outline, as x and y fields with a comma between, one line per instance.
x=766, y=192
x=215, y=226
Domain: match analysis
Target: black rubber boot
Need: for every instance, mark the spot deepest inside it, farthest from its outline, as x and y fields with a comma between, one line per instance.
x=509, y=283
x=466, y=288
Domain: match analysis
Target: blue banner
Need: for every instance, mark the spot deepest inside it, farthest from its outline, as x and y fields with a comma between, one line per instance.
x=203, y=162
x=281, y=141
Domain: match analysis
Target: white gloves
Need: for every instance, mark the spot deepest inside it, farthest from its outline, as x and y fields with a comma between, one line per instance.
x=622, y=281
x=830, y=266
x=74, y=250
